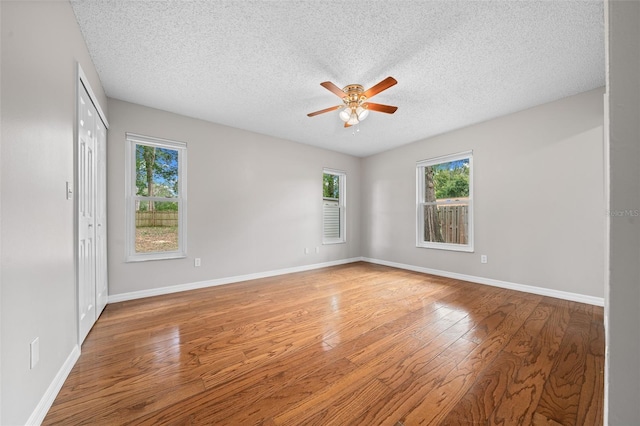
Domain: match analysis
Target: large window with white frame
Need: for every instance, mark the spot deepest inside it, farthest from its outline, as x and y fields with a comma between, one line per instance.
x=444, y=207
x=156, y=192
x=334, y=192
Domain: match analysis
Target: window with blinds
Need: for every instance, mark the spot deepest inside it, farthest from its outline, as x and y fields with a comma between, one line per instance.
x=333, y=206
x=331, y=219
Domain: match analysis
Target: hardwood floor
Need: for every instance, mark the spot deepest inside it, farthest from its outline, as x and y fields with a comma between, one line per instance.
x=357, y=344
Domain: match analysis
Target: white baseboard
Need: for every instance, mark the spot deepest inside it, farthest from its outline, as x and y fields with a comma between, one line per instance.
x=113, y=298
x=49, y=396
x=574, y=297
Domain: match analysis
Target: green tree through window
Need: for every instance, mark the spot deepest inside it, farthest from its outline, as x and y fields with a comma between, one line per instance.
x=451, y=180
x=157, y=176
x=331, y=186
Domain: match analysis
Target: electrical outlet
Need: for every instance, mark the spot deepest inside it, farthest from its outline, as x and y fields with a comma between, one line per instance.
x=34, y=352
x=197, y=262
x=483, y=258
x=317, y=250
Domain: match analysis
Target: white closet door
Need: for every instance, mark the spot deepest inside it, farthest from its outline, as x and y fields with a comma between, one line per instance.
x=92, y=213
x=101, y=217
x=86, y=193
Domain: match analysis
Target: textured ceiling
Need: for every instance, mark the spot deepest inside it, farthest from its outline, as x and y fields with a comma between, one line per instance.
x=258, y=65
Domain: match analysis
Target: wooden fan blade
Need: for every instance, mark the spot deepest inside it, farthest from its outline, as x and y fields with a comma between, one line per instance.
x=322, y=111
x=347, y=125
x=383, y=85
x=333, y=88
x=380, y=108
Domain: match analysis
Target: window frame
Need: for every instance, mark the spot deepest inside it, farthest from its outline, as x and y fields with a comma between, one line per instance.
x=342, y=205
x=420, y=203
x=132, y=140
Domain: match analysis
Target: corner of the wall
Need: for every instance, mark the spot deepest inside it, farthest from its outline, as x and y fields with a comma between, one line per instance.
x=122, y=297
x=565, y=295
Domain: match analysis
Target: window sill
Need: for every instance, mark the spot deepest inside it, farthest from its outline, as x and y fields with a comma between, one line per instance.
x=445, y=246
x=154, y=256
x=324, y=243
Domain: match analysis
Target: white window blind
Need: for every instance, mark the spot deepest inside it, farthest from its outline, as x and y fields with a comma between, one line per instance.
x=331, y=220
x=334, y=188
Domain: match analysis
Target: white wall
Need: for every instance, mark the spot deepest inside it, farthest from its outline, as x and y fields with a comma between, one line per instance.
x=41, y=43
x=254, y=201
x=539, y=198
x=623, y=296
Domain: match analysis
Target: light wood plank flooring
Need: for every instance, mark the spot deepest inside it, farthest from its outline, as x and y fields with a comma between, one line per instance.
x=357, y=344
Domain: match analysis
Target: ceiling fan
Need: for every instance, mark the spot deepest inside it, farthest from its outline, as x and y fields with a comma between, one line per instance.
x=356, y=107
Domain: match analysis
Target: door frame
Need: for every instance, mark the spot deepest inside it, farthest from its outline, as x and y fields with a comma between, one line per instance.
x=82, y=83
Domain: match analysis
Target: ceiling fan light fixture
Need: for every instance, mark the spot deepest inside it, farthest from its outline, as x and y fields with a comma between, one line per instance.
x=353, y=119
x=355, y=99
x=362, y=113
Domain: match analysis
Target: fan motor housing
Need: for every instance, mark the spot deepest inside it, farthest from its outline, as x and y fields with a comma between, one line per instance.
x=353, y=94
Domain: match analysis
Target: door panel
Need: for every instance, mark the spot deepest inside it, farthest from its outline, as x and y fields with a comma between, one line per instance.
x=92, y=214
x=101, y=217
x=86, y=217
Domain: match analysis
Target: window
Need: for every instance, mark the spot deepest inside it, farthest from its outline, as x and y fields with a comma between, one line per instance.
x=445, y=202
x=156, y=198
x=334, y=184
